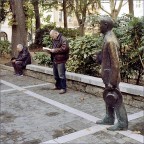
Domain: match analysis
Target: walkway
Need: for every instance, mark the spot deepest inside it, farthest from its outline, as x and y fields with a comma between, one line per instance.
x=32, y=113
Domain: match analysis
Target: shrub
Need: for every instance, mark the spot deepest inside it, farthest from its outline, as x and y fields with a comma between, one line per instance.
x=82, y=50
x=4, y=47
x=43, y=59
x=42, y=35
x=130, y=32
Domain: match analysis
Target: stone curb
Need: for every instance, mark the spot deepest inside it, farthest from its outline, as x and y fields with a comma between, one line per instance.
x=124, y=87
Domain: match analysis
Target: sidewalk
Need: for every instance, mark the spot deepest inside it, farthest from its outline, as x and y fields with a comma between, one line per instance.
x=32, y=113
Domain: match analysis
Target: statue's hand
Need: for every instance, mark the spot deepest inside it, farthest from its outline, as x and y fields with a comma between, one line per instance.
x=109, y=87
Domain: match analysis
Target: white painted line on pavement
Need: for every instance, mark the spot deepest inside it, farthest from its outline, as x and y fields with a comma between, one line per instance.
x=78, y=134
x=94, y=129
x=86, y=116
x=84, y=132
x=135, y=115
x=50, y=142
x=133, y=135
x=54, y=103
x=32, y=86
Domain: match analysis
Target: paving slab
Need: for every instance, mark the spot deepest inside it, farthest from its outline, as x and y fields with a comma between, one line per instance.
x=32, y=113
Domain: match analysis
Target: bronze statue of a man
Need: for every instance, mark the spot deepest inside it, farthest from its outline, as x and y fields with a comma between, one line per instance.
x=111, y=78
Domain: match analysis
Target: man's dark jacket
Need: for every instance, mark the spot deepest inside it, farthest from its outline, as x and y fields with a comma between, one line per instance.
x=61, y=50
x=24, y=56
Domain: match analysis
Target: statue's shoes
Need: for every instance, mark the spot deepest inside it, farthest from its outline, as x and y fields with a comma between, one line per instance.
x=117, y=127
x=102, y=122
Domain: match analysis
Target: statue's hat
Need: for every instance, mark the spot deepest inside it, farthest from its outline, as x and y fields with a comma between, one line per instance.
x=112, y=96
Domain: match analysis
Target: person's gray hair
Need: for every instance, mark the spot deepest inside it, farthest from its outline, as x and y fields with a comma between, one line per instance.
x=20, y=46
x=53, y=31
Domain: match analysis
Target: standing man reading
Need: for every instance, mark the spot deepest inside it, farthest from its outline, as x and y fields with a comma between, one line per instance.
x=59, y=56
x=111, y=78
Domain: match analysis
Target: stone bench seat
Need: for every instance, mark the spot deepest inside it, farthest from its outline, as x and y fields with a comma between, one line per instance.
x=124, y=87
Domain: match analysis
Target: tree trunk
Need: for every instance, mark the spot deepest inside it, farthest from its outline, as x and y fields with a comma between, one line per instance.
x=131, y=8
x=114, y=14
x=15, y=40
x=82, y=29
x=65, y=14
x=36, y=10
x=37, y=16
x=139, y=77
x=19, y=32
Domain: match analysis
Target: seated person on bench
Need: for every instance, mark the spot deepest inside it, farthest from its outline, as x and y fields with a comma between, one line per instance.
x=22, y=60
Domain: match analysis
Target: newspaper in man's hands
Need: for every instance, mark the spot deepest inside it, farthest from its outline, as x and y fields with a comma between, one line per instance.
x=46, y=48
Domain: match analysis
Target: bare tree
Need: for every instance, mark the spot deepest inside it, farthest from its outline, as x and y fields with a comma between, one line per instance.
x=65, y=14
x=36, y=11
x=19, y=32
x=131, y=7
x=35, y=4
x=114, y=12
x=81, y=8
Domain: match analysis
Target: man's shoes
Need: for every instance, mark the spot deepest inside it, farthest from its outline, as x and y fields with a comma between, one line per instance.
x=117, y=127
x=102, y=122
x=62, y=91
x=19, y=75
x=55, y=88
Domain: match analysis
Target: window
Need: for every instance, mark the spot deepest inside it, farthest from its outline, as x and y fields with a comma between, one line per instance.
x=69, y=19
x=60, y=16
x=3, y=36
x=138, y=3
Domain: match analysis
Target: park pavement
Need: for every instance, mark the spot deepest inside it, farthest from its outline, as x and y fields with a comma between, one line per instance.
x=32, y=113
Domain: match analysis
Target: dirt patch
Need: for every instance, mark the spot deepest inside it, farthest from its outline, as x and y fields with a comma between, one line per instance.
x=36, y=50
x=37, y=141
x=59, y=133
x=51, y=114
x=4, y=60
x=6, y=117
x=138, y=128
x=13, y=135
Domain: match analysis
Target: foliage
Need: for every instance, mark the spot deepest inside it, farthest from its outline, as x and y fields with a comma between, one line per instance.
x=81, y=8
x=4, y=47
x=130, y=32
x=43, y=59
x=3, y=10
x=81, y=53
x=47, y=41
x=29, y=13
x=43, y=38
x=49, y=4
x=93, y=20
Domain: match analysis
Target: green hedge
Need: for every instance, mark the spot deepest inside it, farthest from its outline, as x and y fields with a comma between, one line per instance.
x=4, y=47
x=82, y=50
x=42, y=35
x=129, y=31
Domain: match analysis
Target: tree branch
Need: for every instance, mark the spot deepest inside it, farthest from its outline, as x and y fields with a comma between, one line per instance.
x=112, y=5
x=141, y=61
x=119, y=8
x=99, y=3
